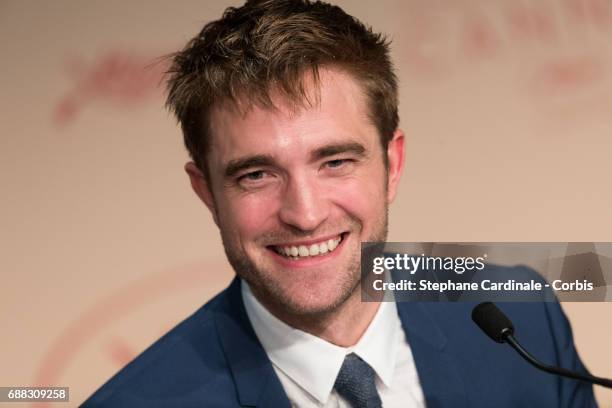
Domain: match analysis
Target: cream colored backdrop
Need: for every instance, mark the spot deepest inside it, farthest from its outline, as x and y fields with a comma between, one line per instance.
x=506, y=104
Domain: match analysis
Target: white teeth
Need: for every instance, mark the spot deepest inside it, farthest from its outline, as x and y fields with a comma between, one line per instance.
x=332, y=244
x=312, y=250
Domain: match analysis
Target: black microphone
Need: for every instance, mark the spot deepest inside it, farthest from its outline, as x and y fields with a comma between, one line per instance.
x=499, y=328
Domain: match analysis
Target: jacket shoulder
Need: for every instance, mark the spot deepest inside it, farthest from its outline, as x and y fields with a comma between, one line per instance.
x=183, y=368
x=495, y=375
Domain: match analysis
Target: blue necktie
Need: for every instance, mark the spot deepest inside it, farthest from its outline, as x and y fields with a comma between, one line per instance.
x=355, y=383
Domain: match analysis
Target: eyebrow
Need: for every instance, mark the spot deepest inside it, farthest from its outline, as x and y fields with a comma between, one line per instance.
x=263, y=160
x=334, y=149
x=237, y=165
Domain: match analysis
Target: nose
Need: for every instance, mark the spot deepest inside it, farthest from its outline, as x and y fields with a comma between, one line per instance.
x=304, y=205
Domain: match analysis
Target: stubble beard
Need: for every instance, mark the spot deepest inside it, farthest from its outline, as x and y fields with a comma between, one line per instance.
x=274, y=296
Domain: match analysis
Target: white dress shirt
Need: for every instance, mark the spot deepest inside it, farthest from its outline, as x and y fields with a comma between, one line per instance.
x=307, y=366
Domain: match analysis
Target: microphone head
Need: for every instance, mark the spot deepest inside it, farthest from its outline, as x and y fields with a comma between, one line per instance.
x=492, y=321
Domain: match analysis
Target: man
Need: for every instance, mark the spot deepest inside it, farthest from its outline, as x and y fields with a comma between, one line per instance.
x=289, y=112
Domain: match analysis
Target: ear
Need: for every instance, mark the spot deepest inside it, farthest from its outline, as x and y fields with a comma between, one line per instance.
x=202, y=188
x=395, y=157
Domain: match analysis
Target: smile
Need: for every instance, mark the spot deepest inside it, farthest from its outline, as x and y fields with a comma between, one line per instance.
x=311, y=250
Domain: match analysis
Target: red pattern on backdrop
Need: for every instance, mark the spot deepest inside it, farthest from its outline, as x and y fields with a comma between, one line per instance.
x=120, y=78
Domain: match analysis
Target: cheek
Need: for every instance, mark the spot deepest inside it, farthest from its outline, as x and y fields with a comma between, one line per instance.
x=248, y=215
x=362, y=197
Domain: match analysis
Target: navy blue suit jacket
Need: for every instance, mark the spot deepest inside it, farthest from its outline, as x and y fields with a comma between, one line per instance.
x=214, y=359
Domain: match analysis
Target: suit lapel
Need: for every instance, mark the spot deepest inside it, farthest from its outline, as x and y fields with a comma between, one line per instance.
x=258, y=385
x=256, y=382
x=440, y=380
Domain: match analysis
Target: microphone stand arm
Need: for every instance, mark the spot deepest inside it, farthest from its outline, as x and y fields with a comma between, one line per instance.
x=509, y=338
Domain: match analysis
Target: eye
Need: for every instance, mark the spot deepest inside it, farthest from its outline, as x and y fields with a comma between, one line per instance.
x=253, y=176
x=337, y=163
x=254, y=179
x=341, y=165
x=338, y=167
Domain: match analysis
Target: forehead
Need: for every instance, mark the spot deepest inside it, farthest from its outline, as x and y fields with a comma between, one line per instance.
x=338, y=114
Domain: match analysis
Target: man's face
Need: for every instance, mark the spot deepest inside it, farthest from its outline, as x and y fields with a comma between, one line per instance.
x=294, y=193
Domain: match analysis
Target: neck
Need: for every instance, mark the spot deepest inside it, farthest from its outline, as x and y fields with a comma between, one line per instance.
x=342, y=326
x=346, y=326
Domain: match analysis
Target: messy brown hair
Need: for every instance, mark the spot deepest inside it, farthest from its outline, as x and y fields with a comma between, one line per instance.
x=268, y=46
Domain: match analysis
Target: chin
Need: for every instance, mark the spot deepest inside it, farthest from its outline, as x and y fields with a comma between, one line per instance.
x=298, y=291
x=312, y=298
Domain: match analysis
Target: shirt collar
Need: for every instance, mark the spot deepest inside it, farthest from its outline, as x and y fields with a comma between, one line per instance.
x=314, y=363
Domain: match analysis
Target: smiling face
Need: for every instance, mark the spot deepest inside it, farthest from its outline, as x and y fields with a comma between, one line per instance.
x=295, y=192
